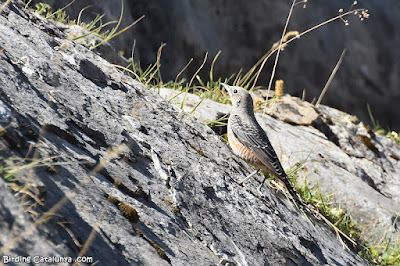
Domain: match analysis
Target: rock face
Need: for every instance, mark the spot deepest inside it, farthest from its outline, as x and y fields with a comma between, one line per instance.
x=118, y=174
x=244, y=31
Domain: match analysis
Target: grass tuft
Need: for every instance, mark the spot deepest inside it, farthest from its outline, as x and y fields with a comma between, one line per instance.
x=95, y=27
x=378, y=129
x=386, y=253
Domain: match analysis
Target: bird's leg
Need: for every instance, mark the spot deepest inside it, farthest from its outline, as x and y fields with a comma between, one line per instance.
x=262, y=183
x=247, y=177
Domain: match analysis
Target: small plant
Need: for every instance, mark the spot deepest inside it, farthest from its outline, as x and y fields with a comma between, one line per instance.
x=113, y=33
x=95, y=27
x=221, y=122
x=42, y=8
x=378, y=129
x=386, y=253
x=339, y=220
x=26, y=193
x=129, y=212
x=5, y=172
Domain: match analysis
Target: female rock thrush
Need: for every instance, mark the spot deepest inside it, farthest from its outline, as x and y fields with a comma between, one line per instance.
x=248, y=140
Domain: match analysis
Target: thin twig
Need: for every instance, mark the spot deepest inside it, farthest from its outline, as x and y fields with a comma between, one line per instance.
x=78, y=20
x=322, y=24
x=279, y=50
x=198, y=70
x=156, y=64
x=331, y=77
x=183, y=69
x=126, y=69
x=4, y=6
x=267, y=55
x=111, y=153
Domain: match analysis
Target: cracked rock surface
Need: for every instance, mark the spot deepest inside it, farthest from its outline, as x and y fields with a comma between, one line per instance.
x=96, y=134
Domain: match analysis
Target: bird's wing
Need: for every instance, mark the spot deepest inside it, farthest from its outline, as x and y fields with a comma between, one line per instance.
x=255, y=138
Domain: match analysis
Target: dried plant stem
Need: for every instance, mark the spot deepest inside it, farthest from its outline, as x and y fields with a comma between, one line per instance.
x=157, y=64
x=78, y=20
x=331, y=78
x=111, y=153
x=183, y=69
x=282, y=43
x=126, y=69
x=4, y=6
x=198, y=70
x=322, y=24
x=278, y=53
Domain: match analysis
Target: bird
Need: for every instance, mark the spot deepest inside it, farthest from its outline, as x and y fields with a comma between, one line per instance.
x=249, y=141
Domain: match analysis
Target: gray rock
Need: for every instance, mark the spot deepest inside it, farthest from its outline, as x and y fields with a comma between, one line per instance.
x=170, y=180
x=203, y=109
x=5, y=113
x=292, y=110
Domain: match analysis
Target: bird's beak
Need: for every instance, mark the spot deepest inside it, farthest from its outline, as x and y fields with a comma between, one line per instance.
x=225, y=86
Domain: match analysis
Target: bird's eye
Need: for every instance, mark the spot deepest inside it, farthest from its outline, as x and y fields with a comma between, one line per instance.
x=235, y=91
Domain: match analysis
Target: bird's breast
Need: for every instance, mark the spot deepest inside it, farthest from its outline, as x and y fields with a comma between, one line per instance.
x=242, y=151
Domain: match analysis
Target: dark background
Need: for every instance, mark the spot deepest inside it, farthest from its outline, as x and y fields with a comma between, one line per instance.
x=244, y=30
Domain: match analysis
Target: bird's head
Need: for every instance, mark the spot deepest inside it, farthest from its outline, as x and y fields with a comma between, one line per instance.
x=241, y=98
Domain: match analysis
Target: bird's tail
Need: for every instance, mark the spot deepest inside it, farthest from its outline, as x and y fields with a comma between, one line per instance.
x=296, y=196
